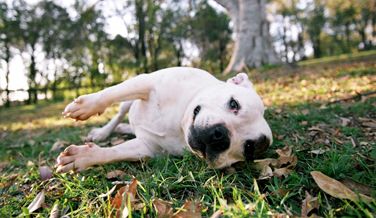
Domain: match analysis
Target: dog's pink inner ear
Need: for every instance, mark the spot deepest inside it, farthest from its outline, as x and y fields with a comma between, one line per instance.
x=241, y=79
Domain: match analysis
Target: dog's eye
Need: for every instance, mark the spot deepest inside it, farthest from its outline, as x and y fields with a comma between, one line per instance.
x=233, y=105
x=196, y=111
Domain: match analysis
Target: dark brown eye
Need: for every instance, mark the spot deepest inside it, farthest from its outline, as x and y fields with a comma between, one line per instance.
x=233, y=105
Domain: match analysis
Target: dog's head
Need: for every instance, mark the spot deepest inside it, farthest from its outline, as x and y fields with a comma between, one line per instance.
x=225, y=124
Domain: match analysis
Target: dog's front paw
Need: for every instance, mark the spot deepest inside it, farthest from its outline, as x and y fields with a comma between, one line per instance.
x=97, y=135
x=77, y=158
x=85, y=106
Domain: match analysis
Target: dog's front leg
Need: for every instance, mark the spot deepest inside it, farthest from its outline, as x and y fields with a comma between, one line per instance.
x=78, y=158
x=100, y=134
x=86, y=106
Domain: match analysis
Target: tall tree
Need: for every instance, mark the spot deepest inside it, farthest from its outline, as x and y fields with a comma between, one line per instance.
x=212, y=44
x=8, y=31
x=54, y=39
x=30, y=32
x=315, y=24
x=253, y=44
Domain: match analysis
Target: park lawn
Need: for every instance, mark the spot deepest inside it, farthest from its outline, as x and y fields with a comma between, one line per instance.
x=306, y=109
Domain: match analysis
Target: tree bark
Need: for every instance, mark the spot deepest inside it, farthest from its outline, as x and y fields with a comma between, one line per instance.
x=7, y=60
x=140, y=14
x=253, y=46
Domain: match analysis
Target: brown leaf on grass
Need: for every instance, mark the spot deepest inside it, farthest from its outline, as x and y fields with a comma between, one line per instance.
x=368, y=122
x=191, y=209
x=284, y=152
x=277, y=167
x=310, y=206
x=124, y=196
x=217, y=214
x=319, y=151
x=305, y=111
x=55, y=211
x=3, y=164
x=37, y=202
x=345, y=121
x=336, y=188
x=282, y=172
x=45, y=172
x=266, y=173
x=259, y=164
x=115, y=174
x=357, y=187
x=163, y=208
x=30, y=163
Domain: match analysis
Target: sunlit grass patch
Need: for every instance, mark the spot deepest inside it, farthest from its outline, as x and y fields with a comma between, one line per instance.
x=315, y=84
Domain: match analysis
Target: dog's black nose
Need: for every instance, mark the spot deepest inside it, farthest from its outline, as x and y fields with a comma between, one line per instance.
x=216, y=137
x=210, y=140
x=218, y=133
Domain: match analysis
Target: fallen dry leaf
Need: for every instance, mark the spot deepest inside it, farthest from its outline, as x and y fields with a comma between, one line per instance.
x=319, y=151
x=266, y=173
x=163, y=208
x=191, y=209
x=55, y=211
x=277, y=167
x=282, y=172
x=45, y=172
x=336, y=188
x=310, y=206
x=30, y=163
x=357, y=187
x=284, y=152
x=125, y=195
x=37, y=202
x=305, y=111
x=3, y=164
x=107, y=193
x=115, y=174
x=217, y=214
x=345, y=121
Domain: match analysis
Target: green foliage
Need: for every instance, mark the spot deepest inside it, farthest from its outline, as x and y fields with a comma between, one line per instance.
x=211, y=33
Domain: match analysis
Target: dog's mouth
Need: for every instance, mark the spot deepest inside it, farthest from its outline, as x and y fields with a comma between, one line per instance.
x=209, y=142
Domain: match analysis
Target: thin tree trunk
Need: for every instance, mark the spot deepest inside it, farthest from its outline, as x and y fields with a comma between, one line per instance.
x=140, y=14
x=284, y=40
x=179, y=53
x=33, y=73
x=253, y=46
x=7, y=73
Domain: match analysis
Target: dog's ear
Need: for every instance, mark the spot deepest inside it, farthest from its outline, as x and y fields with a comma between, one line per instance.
x=241, y=79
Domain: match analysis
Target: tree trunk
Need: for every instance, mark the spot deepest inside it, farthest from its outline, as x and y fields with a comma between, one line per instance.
x=7, y=72
x=284, y=40
x=253, y=46
x=179, y=53
x=33, y=73
x=140, y=14
x=316, y=44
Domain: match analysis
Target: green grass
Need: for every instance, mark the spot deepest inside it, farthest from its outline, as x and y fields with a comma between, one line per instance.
x=344, y=57
x=297, y=100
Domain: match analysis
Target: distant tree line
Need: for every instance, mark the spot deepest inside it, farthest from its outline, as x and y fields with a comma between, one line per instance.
x=69, y=48
x=330, y=27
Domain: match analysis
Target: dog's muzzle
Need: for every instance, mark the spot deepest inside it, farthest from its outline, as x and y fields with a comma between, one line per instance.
x=209, y=141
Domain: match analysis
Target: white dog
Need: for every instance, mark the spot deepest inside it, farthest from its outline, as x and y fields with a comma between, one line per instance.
x=171, y=110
